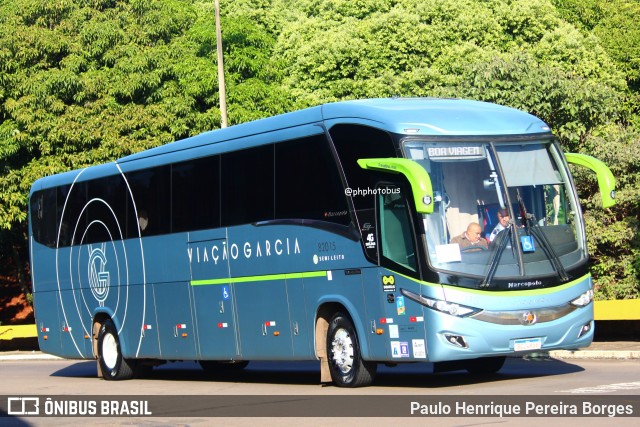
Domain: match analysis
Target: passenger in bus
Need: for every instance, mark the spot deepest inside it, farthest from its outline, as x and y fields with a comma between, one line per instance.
x=503, y=224
x=143, y=220
x=472, y=238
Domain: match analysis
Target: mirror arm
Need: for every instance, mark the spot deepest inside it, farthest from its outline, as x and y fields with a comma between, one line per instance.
x=419, y=179
x=606, y=180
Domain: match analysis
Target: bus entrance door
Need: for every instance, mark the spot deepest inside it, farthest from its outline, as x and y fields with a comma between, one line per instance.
x=213, y=297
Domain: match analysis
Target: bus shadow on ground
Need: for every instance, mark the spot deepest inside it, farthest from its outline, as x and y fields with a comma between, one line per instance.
x=308, y=373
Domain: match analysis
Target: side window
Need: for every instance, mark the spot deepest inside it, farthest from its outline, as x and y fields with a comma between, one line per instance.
x=307, y=182
x=196, y=194
x=247, y=186
x=106, y=208
x=396, y=234
x=150, y=188
x=43, y=217
x=355, y=142
x=71, y=203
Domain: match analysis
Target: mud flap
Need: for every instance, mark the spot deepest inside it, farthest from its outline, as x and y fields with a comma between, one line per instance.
x=325, y=373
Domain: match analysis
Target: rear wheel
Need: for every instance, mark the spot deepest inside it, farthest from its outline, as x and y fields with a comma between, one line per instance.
x=485, y=365
x=113, y=365
x=343, y=351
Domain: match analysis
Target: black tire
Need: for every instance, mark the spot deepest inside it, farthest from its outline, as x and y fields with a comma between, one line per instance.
x=485, y=365
x=215, y=366
x=343, y=352
x=113, y=365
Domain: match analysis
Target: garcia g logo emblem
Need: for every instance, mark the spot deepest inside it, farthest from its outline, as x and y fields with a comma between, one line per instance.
x=99, y=277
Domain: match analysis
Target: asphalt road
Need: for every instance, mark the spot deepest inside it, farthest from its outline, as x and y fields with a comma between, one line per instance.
x=289, y=381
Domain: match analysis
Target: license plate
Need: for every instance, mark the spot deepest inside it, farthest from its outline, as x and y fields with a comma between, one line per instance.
x=527, y=344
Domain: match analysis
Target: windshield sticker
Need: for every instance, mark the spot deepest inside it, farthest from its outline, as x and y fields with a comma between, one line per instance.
x=448, y=253
x=527, y=244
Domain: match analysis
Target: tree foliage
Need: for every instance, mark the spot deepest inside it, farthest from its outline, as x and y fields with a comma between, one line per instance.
x=87, y=81
x=615, y=24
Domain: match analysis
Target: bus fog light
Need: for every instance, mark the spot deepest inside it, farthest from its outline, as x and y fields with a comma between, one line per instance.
x=457, y=340
x=585, y=329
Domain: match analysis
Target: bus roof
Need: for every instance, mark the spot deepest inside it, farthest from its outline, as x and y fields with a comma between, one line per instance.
x=415, y=116
x=409, y=116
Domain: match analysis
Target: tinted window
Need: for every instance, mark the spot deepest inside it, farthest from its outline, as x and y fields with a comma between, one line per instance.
x=43, y=217
x=247, y=186
x=308, y=184
x=355, y=142
x=152, y=194
x=106, y=218
x=71, y=210
x=396, y=235
x=196, y=194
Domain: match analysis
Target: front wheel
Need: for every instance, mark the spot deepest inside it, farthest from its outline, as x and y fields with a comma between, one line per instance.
x=343, y=351
x=113, y=365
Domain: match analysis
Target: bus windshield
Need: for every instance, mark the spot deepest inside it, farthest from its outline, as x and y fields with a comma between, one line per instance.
x=502, y=210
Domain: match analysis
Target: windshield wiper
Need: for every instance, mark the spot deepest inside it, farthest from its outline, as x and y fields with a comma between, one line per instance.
x=534, y=228
x=503, y=238
x=501, y=242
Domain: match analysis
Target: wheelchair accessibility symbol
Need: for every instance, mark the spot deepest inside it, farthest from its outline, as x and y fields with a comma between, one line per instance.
x=528, y=244
x=225, y=293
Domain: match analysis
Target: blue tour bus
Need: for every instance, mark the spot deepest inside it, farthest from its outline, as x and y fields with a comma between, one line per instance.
x=322, y=234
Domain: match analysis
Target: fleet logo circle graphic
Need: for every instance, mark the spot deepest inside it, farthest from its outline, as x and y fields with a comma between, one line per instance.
x=99, y=277
x=100, y=266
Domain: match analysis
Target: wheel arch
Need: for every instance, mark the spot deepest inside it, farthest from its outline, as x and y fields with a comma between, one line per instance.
x=325, y=311
x=99, y=317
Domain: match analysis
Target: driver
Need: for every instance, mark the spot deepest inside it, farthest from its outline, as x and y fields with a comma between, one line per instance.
x=471, y=238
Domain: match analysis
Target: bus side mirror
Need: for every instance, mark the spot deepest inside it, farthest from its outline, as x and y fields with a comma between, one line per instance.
x=606, y=181
x=416, y=175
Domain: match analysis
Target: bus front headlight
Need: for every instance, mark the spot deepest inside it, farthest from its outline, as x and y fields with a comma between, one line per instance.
x=453, y=309
x=583, y=299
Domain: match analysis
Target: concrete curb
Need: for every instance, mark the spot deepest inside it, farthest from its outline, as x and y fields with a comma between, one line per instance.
x=595, y=354
x=32, y=355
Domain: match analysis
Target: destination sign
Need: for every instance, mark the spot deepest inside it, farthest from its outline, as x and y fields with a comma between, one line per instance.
x=456, y=152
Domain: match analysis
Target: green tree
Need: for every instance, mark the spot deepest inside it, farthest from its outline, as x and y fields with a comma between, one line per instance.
x=614, y=234
x=518, y=53
x=88, y=81
x=615, y=23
